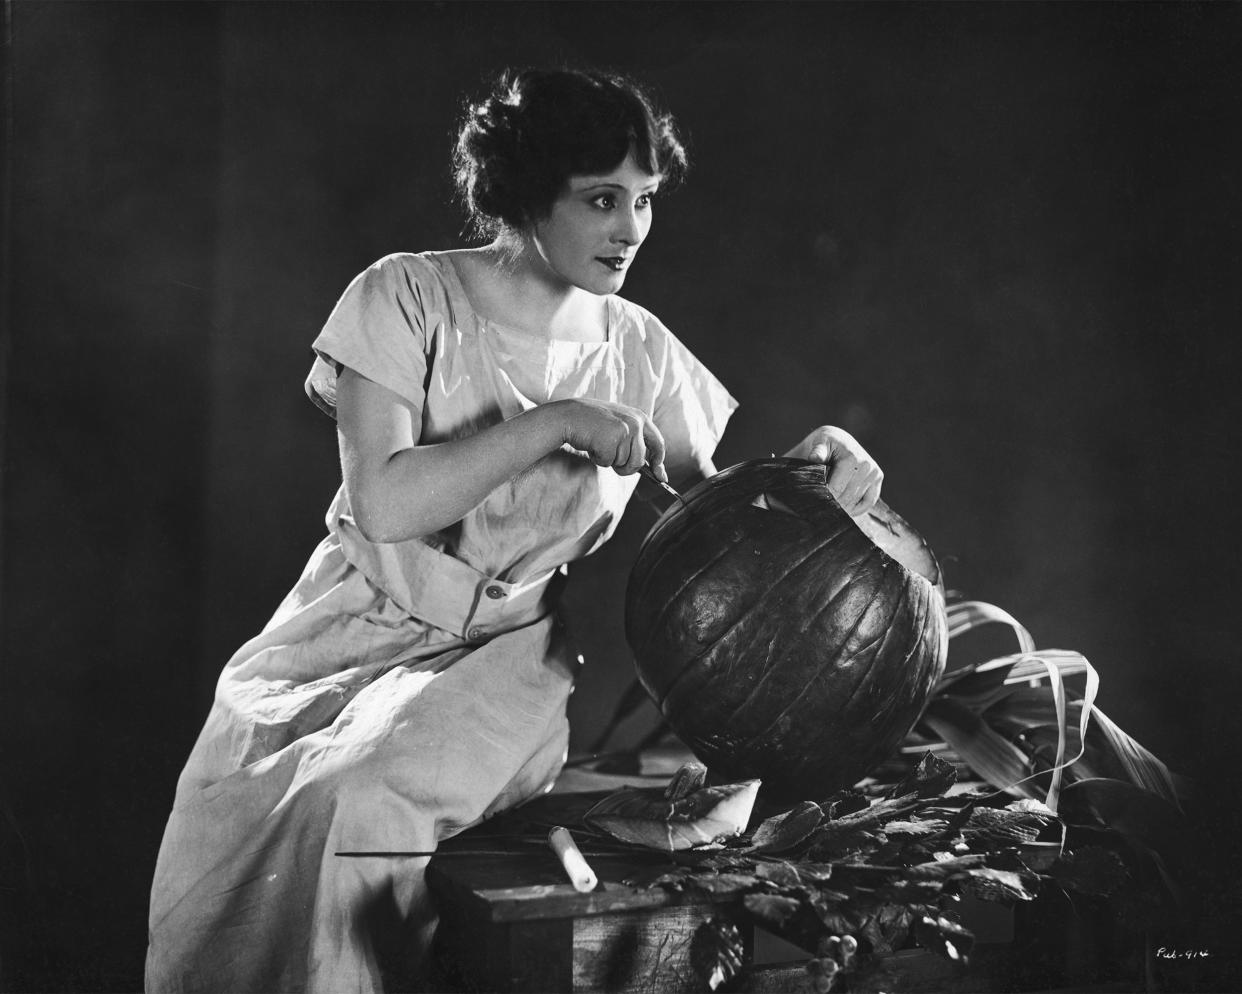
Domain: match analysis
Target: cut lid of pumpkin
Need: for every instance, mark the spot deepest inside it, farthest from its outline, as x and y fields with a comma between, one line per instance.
x=886, y=528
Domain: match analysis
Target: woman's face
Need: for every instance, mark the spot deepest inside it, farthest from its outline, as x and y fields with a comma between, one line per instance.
x=595, y=227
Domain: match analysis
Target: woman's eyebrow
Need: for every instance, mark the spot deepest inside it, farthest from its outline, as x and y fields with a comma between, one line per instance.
x=618, y=186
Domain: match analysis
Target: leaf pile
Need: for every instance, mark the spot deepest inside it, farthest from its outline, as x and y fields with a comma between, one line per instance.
x=859, y=875
x=887, y=866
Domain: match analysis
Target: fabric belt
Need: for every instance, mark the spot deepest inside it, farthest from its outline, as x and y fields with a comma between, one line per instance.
x=444, y=591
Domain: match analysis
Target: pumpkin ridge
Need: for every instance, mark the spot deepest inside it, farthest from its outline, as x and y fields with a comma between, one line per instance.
x=925, y=617
x=921, y=615
x=734, y=625
x=797, y=640
x=668, y=604
x=864, y=747
x=819, y=672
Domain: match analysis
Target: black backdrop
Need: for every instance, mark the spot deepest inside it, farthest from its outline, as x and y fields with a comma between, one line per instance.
x=998, y=243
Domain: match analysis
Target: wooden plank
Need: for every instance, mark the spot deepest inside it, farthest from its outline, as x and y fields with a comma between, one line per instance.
x=640, y=953
x=540, y=957
x=479, y=956
x=530, y=887
x=470, y=955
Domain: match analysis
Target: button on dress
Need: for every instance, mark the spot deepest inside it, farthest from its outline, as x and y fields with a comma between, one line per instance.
x=404, y=691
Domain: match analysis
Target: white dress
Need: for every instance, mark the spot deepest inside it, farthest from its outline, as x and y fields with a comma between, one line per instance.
x=404, y=691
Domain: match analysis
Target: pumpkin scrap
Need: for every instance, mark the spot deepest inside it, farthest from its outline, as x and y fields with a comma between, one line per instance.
x=644, y=816
x=686, y=780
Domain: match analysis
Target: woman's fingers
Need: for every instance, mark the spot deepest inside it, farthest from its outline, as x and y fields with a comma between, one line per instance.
x=617, y=436
x=858, y=493
x=843, y=481
x=630, y=458
x=654, y=443
x=644, y=446
x=871, y=496
x=853, y=478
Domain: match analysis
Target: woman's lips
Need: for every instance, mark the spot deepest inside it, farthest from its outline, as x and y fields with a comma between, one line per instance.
x=614, y=262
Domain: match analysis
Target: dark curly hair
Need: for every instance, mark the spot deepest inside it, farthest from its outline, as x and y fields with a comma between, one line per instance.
x=517, y=149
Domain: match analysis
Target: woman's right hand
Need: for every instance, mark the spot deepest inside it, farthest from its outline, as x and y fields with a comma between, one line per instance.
x=615, y=435
x=401, y=488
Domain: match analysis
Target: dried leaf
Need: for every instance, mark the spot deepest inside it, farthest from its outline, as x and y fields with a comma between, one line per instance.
x=838, y=842
x=883, y=810
x=724, y=883
x=989, y=884
x=781, y=874
x=716, y=952
x=845, y=802
x=816, y=873
x=911, y=890
x=992, y=828
x=784, y=831
x=860, y=832
x=947, y=863
x=940, y=935
x=916, y=829
x=827, y=896
x=835, y=915
x=1092, y=870
x=885, y=928
x=1038, y=857
x=658, y=876
x=1033, y=806
x=721, y=861
x=772, y=910
x=931, y=778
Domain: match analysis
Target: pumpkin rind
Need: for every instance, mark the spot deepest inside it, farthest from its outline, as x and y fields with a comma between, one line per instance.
x=648, y=817
x=779, y=641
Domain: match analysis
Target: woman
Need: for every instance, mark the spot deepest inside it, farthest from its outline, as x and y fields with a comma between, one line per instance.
x=493, y=405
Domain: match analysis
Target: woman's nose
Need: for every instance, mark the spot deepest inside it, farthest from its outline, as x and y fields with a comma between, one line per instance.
x=629, y=228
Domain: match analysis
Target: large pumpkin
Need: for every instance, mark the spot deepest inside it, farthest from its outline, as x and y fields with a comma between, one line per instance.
x=781, y=638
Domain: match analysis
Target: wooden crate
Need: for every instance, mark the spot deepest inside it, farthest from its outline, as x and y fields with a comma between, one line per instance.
x=512, y=923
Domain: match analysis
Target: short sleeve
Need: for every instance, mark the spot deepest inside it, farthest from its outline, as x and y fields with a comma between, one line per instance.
x=378, y=328
x=692, y=408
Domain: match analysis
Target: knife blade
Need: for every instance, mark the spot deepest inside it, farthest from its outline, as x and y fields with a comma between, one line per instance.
x=646, y=471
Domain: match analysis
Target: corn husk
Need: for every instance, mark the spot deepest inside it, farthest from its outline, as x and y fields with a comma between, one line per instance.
x=1027, y=723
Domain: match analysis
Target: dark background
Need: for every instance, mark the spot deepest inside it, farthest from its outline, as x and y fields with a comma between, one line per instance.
x=998, y=243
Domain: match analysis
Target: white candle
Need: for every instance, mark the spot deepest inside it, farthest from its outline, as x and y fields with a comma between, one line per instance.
x=580, y=874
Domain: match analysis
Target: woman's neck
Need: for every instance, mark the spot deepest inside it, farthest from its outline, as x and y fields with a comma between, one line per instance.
x=513, y=286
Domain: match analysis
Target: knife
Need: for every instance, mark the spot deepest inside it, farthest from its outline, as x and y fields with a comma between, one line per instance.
x=646, y=471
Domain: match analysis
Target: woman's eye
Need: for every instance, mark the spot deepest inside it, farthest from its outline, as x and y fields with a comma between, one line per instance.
x=604, y=200
x=645, y=200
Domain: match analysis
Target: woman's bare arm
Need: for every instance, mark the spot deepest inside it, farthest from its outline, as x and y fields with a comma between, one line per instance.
x=399, y=489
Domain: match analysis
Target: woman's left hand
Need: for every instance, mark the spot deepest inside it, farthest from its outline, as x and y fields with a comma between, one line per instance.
x=854, y=478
